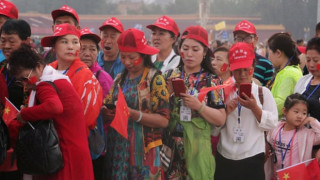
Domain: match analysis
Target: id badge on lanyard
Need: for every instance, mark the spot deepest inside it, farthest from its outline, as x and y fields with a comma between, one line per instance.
x=238, y=132
x=185, y=113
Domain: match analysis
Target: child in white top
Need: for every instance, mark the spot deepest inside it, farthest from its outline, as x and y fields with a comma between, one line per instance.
x=291, y=140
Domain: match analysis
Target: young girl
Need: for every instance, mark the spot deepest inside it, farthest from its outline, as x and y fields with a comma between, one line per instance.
x=291, y=140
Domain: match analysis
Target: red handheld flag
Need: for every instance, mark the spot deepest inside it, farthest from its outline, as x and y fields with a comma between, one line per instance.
x=10, y=112
x=296, y=172
x=120, y=121
x=204, y=91
x=314, y=170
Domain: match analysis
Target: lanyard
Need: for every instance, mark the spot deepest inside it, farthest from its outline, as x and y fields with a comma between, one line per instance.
x=290, y=144
x=239, y=112
x=196, y=85
x=274, y=77
x=65, y=72
x=313, y=90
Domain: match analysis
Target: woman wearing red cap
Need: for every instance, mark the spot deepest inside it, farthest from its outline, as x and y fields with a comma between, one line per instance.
x=165, y=33
x=88, y=54
x=66, y=44
x=58, y=101
x=241, y=146
x=191, y=120
x=147, y=97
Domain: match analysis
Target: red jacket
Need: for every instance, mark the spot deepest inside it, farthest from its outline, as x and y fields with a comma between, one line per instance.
x=88, y=89
x=69, y=122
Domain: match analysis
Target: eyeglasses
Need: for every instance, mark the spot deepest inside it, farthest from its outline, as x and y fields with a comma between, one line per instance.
x=247, y=39
x=24, y=79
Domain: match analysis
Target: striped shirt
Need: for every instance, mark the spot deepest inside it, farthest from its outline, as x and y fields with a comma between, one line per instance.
x=263, y=70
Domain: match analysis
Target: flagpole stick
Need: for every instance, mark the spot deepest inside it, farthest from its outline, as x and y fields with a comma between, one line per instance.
x=12, y=104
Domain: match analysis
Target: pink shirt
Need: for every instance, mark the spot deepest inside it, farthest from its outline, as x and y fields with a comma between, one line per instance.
x=293, y=150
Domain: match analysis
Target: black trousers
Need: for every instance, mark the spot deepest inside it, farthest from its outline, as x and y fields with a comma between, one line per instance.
x=251, y=168
x=98, y=168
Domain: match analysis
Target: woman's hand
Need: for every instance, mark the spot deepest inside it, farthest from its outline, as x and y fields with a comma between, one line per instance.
x=251, y=103
x=19, y=117
x=248, y=102
x=108, y=114
x=231, y=105
x=191, y=101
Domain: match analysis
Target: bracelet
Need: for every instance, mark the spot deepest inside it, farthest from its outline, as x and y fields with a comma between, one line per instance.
x=140, y=117
x=202, y=107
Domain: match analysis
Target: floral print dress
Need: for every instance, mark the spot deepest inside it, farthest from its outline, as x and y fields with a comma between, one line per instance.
x=192, y=158
x=127, y=159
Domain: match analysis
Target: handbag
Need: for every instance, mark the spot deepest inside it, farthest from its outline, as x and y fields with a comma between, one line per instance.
x=4, y=141
x=167, y=150
x=38, y=150
x=96, y=139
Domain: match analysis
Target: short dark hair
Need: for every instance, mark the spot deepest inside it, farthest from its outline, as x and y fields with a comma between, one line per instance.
x=285, y=43
x=299, y=41
x=223, y=49
x=314, y=44
x=92, y=39
x=24, y=58
x=16, y=26
x=67, y=14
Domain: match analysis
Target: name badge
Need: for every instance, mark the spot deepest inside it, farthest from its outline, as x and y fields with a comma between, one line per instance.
x=238, y=135
x=185, y=113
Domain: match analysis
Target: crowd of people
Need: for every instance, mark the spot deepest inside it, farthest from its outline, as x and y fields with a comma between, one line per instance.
x=194, y=112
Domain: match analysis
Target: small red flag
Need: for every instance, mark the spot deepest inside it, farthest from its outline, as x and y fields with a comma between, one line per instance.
x=204, y=91
x=10, y=112
x=295, y=172
x=120, y=121
x=314, y=170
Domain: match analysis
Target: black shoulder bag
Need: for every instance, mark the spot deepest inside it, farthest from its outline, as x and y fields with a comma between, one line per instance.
x=38, y=150
x=4, y=141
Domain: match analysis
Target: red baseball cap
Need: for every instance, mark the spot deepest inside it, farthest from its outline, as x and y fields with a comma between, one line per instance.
x=197, y=33
x=241, y=55
x=112, y=22
x=8, y=9
x=85, y=32
x=245, y=26
x=166, y=23
x=60, y=30
x=64, y=9
x=133, y=40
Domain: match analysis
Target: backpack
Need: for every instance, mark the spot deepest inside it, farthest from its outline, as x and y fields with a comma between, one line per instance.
x=269, y=151
x=4, y=140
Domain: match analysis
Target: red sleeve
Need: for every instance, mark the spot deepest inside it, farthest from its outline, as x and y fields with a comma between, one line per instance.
x=49, y=104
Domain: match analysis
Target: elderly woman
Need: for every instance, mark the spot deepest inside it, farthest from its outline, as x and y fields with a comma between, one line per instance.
x=88, y=54
x=309, y=84
x=60, y=103
x=242, y=143
x=147, y=97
